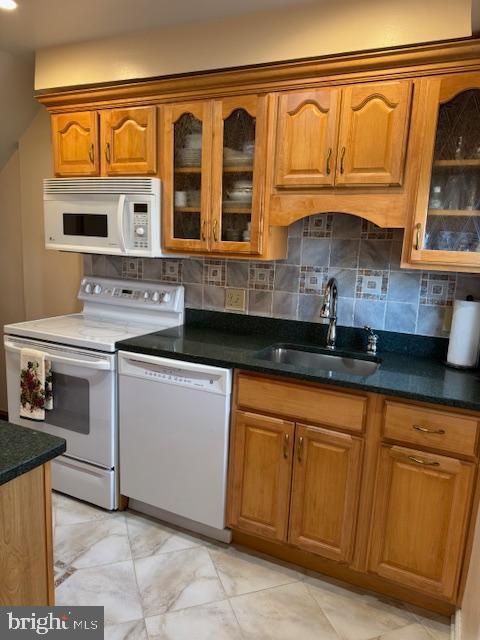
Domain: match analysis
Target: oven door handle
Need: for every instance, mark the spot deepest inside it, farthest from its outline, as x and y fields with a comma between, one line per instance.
x=90, y=364
x=120, y=216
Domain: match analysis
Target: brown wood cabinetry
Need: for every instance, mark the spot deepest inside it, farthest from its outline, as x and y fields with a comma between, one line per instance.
x=443, y=231
x=370, y=489
x=325, y=492
x=123, y=144
x=261, y=465
x=75, y=144
x=26, y=555
x=361, y=144
x=419, y=524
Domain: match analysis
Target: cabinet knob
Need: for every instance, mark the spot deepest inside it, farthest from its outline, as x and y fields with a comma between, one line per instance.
x=329, y=155
x=342, y=159
x=300, y=448
x=286, y=439
x=215, y=225
x=91, y=153
x=418, y=228
x=107, y=152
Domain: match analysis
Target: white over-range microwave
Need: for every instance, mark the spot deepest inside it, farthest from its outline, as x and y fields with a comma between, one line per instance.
x=113, y=216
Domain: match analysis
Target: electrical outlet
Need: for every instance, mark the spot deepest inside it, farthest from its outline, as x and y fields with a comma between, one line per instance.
x=235, y=299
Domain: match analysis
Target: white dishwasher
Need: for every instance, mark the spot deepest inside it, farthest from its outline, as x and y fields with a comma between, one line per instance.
x=173, y=440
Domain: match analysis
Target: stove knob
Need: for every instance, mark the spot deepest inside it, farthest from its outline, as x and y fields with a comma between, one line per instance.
x=166, y=297
x=146, y=295
x=88, y=288
x=140, y=231
x=155, y=296
x=97, y=289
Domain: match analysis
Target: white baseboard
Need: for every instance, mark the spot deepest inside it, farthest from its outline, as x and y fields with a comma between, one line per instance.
x=456, y=633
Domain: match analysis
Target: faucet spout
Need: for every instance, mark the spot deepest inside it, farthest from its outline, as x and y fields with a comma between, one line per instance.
x=329, y=310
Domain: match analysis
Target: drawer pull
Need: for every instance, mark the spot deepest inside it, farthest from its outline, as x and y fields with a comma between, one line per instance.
x=418, y=427
x=286, y=438
x=426, y=463
x=300, y=448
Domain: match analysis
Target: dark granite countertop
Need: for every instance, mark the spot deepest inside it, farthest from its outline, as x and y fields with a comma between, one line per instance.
x=22, y=450
x=412, y=368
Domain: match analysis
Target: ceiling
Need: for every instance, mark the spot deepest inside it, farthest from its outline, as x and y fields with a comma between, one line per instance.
x=43, y=23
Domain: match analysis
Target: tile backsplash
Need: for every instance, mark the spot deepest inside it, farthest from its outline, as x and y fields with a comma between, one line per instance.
x=364, y=259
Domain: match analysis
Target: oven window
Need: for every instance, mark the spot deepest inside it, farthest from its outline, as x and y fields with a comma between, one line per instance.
x=71, y=404
x=85, y=224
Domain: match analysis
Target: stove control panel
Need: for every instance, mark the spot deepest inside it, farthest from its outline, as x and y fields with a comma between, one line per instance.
x=128, y=293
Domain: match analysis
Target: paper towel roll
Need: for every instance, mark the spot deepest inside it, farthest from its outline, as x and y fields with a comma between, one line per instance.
x=463, y=348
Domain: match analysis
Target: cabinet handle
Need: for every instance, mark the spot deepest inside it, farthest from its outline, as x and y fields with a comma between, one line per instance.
x=418, y=427
x=204, y=226
x=107, y=152
x=215, y=224
x=329, y=155
x=286, y=439
x=91, y=153
x=300, y=448
x=427, y=463
x=342, y=158
x=418, y=227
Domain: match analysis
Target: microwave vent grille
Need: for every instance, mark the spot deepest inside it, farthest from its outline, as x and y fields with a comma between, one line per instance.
x=139, y=186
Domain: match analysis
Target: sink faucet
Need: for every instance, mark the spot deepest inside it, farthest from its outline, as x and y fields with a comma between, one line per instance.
x=329, y=310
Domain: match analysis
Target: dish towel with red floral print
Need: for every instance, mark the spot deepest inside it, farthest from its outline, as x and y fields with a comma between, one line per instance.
x=36, y=389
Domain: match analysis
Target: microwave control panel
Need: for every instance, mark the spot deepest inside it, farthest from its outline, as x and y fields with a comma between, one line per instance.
x=140, y=223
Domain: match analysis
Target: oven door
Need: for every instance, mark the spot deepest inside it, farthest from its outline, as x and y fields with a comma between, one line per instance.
x=84, y=399
x=91, y=223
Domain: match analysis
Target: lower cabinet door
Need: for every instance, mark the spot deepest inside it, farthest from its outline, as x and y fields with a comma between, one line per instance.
x=325, y=492
x=421, y=511
x=260, y=467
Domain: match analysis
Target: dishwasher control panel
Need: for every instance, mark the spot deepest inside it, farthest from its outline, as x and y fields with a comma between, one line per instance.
x=185, y=374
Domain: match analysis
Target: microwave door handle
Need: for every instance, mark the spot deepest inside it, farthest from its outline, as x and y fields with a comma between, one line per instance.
x=121, y=233
x=90, y=364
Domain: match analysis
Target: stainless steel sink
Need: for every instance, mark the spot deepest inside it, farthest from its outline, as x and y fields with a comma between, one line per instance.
x=312, y=358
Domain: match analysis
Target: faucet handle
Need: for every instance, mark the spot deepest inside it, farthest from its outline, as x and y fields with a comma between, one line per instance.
x=372, y=340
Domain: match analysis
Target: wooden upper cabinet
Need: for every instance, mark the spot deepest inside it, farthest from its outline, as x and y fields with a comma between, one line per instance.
x=422, y=505
x=186, y=157
x=75, y=143
x=444, y=230
x=260, y=475
x=373, y=134
x=325, y=492
x=238, y=173
x=306, y=141
x=128, y=141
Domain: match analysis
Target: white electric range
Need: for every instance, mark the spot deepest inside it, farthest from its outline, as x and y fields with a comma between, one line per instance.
x=81, y=347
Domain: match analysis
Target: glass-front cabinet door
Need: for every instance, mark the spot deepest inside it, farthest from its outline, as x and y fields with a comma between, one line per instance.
x=447, y=223
x=186, y=157
x=238, y=173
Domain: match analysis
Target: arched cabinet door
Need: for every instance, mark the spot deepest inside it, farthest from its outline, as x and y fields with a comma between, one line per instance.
x=75, y=143
x=373, y=134
x=305, y=153
x=445, y=228
x=238, y=173
x=186, y=150
x=128, y=141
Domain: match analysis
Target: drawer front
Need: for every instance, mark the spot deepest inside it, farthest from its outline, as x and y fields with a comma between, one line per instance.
x=308, y=404
x=451, y=432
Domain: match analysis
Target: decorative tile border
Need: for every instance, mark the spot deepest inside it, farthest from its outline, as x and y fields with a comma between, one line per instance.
x=171, y=271
x=438, y=289
x=370, y=231
x=214, y=272
x=313, y=280
x=372, y=284
x=131, y=268
x=318, y=226
x=261, y=276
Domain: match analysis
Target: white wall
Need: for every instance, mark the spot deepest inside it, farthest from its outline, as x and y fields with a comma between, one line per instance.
x=302, y=31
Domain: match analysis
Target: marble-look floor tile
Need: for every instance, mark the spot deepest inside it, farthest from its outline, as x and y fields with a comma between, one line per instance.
x=282, y=613
x=93, y=543
x=357, y=615
x=241, y=572
x=112, y=586
x=411, y=632
x=439, y=627
x=149, y=537
x=214, y=621
x=70, y=511
x=176, y=580
x=134, y=630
